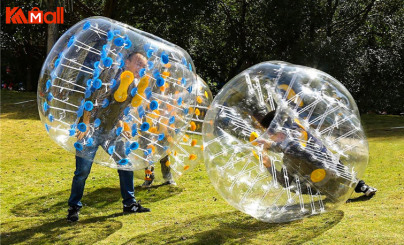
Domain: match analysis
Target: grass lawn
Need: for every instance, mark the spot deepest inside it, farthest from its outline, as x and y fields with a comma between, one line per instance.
x=36, y=177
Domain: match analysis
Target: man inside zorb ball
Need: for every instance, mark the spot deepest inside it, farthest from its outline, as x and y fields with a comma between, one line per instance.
x=117, y=96
x=283, y=142
x=108, y=84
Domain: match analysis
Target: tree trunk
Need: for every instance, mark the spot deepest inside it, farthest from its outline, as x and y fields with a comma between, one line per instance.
x=52, y=28
x=52, y=36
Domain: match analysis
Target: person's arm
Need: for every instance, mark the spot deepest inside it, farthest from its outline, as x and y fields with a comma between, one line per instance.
x=126, y=129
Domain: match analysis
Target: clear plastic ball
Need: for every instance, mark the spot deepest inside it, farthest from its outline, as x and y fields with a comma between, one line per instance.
x=108, y=85
x=283, y=142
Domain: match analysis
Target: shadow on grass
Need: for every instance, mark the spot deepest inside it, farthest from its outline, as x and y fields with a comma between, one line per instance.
x=94, y=202
x=235, y=227
x=359, y=199
x=87, y=231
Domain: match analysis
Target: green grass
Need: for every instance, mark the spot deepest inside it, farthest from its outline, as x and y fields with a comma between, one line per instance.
x=36, y=177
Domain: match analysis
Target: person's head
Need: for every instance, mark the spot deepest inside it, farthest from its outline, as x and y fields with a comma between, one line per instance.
x=135, y=62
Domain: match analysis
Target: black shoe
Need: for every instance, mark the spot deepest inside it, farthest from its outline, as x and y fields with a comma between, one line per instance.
x=73, y=214
x=365, y=189
x=135, y=208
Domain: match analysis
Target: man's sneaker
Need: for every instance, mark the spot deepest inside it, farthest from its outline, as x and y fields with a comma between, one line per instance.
x=73, y=214
x=147, y=183
x=370, y=191
x=365, y=189
x=170, y=182
x=135, y=208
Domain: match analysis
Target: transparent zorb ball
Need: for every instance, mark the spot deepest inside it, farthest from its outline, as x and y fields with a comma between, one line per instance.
x=283, y=142
x=187, y=152
x=115, y=94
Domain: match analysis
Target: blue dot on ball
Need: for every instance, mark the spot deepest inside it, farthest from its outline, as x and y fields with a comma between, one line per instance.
x=149, y=53
x=148, y=92
x=88, y=106
x=105, y=103
x=171, y=120
x=97, y=83
x=164, y=58
x=123, y=161
x=189, y=89
x=133, y=92
x=82, y=127
x=47, y=127
x=111, y=149
x=110, y=35
x=128, y=44
x=113, y=83
x=71, y=41
x=154, y=105
x=134, y=146
x=72, y=132
x=156, y=73
x=50, y=97
x=107, y=61
x=87, y=25
x=127, y=151
x=57, y=62
x=78, y=146
x=119, y=41
x=97, y=122
x=48, y=85
x=118, y=131
x=142, y=72
x=126, y=111
x=145, y=126
x=140, y=111
x=45, y=106
x=160, y=81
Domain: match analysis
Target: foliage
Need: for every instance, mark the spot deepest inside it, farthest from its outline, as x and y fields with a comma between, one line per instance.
x=360, y=42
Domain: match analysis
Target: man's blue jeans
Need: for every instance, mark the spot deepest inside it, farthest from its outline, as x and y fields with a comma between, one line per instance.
x=83, y=168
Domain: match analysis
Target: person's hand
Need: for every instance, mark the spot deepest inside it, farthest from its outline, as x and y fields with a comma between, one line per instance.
x=128, y=134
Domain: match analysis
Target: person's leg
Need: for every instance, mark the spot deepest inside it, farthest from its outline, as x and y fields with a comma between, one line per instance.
x=362, y=187
x=127, y=187
x=83, y=168
x=148, y=176
x=126, y=182
x=166, y=171
x=84, y=161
